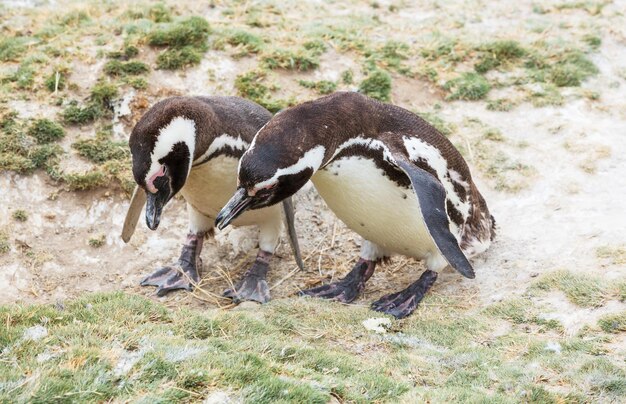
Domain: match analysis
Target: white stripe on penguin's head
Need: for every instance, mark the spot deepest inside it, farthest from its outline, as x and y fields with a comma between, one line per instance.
x=311, y=159
x=179, y=130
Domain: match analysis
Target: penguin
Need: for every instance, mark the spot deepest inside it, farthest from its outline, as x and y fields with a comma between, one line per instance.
x=386, y=173
x=192, y=146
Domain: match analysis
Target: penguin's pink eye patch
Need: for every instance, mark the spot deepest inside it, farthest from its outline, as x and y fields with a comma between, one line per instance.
x=150, y=181
x=255, y=190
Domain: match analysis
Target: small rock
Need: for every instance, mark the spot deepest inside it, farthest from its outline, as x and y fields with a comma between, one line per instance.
x=378, y=324
x=35, y=333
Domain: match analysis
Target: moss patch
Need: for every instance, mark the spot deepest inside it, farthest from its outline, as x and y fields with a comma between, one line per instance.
x=46, y=131
x=582, y=290
x=252, y=86
x=377, y=85
x=118, y=68
x=20, y=215
x=301, y=59
x=613, y=323
x=185, y=39
x=468, y=86
x=320, y=87
x=74, y=114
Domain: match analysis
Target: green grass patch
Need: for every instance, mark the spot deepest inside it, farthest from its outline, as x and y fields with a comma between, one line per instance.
x=84, y=181
x=178, y=58
x=21, y=149
x=57, y=80
x=377, y=85
x=118, y=68
x=320, y=87
x=11, y=48
x=186, y=42
x=301, y=59
x=390, y=55
x=468, y=86
x=128, y=52
x=616, y=255
x=498, y=53
x=5, y=246
x=74, y=114
x=582, y=290
x=185, y=32
x=20, y=215
x=252, y=86
x=103, y=94
x=244, y=42
x=101, y=149
x=46, y=131
x=500, y=104
x=280, y=352
x=613, y=322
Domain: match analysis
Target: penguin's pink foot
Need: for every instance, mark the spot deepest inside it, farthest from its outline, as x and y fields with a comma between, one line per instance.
x=403, y=303
x=185, y=274
x=253, y=285
x=347, y=289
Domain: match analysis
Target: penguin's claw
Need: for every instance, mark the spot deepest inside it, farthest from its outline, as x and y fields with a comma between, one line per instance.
x=345, y=291
x=403, y=303
x=253, y=285
x=252, y=288
x=167, y=279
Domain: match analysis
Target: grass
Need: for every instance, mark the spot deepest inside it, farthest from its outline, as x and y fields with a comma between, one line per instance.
x=46, y=131
x=468, y=86
x=252, y=85
x=580, y=289
x=616, y=255
x=244, y=42
x=120, y=347
x=185, y=40
x=21, y=148
x=302, y=59
x=377, y=85
x=5, y=245
x=101, y=149
x=74, y=114
x=57, y=81
x=11, y=48
x=613, y=323
x=118, y=68
x=97, y=241
x=320, y=87
x=20, y=215
x=103, y=94
x=498, y=53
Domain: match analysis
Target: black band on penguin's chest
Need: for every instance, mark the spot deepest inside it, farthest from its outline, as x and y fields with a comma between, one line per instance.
x=376, y=155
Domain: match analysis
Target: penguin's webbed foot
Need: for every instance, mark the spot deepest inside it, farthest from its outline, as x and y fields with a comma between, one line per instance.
x=403, y=303
x=166, y=279
x=182, y=275
x=347, y=289
x=252, y=286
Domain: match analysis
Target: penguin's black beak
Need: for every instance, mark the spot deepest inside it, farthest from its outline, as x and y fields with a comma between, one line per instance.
x=156, y=201
x=238, y=204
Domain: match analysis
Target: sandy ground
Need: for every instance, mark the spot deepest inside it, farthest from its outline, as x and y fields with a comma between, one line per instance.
x=557, y=221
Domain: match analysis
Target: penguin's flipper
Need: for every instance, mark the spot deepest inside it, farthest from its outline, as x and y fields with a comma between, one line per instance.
x=288, y=211
x=432, y=199
x=137, y=201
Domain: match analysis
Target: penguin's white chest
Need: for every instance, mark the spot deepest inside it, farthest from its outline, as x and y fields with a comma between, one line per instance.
x=374, y=206
x=210, y=185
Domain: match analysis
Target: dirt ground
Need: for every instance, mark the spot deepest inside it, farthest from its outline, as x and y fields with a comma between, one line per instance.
x=568, y=205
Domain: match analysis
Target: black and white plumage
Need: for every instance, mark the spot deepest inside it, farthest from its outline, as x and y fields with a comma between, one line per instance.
x=385, y=172
x=192, y=146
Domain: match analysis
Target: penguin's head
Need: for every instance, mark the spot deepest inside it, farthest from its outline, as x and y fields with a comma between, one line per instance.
x=162, y=146
x=269, y=172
